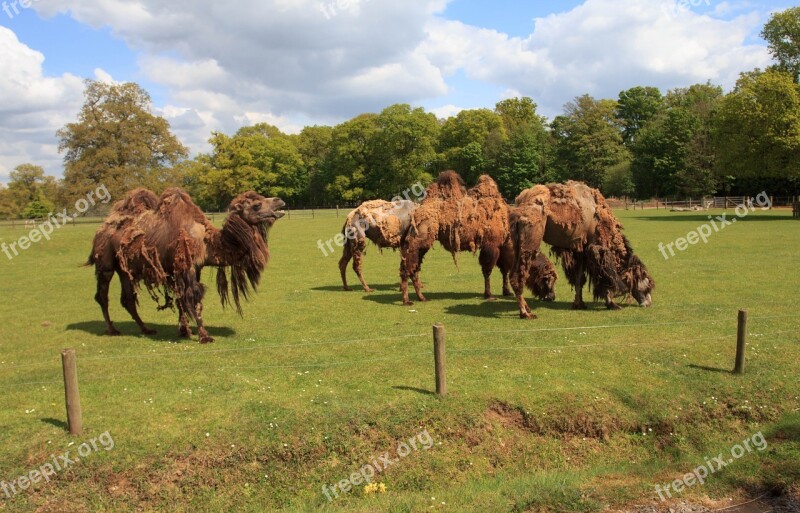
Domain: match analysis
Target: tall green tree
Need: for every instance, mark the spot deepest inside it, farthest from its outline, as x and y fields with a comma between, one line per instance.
x=471, y=141
x=259, y=158
x=117, y=141
x=402, y=150
x=314, y=145
x=673, y=154
x=28, y=183
x=635, y=107
x=618, y=180
x=782, y=33
x=524, y=159
x=588, y=140
x=349, y=159
x=758, y=128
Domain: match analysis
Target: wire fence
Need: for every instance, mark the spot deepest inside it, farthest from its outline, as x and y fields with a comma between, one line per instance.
x=395, y=357
x=215, y=217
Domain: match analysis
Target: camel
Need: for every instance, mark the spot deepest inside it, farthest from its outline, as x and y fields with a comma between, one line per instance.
x=576, y=221
x=165, y=242
x=460, y=220
x=382, y=222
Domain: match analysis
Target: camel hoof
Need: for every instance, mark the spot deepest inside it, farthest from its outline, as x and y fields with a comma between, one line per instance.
x=185, y=333
x=613, y=306
x=579, y=306
x=206, y=339
x=346, y=288
x=368, y=290
x=112, y=332
x=408, y=303
x=508, y=293
x=423, y=300
x=527, y=315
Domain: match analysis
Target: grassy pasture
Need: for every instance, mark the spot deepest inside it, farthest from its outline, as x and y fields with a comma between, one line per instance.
x=574, y=411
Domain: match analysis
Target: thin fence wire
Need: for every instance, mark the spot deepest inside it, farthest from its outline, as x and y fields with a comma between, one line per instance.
x=266, y=347
x=400, y=357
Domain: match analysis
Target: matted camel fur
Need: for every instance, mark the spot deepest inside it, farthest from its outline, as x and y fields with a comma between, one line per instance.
x=460, y=220
x=164, y=243
x=576, y=221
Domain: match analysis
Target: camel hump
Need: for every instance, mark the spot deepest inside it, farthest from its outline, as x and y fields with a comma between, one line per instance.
x=539, y=194
x=485, y=188
x=137, y=201
x=451, y=185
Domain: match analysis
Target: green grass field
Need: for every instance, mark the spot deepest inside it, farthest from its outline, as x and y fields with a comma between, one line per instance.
x=574, y=411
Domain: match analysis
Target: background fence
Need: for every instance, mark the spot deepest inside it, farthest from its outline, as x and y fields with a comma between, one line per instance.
x=310, y=212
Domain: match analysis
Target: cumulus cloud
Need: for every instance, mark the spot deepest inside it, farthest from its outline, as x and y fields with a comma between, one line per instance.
x=297, y=62
x=34, y=107
x=601, y=47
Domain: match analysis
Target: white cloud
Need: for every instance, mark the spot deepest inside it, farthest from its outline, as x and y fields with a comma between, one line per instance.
x=446, y=111
x=601, y=47
x=298, y=62
x=34, y=107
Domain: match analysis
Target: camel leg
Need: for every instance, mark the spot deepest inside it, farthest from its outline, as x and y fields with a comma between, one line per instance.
x=415, y=277
x=205, y=338
x=579, y=278
x=610, y=304
x=347, y=254
x=527, y=235
x=519, y=275
x=410, y=264
x=103, y=282
x=505, y=263
x=358, y=253
x=128, y=300
x=488, y=258
x=184, y=330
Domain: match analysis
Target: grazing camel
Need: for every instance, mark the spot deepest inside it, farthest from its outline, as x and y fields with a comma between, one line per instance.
x=576, y=221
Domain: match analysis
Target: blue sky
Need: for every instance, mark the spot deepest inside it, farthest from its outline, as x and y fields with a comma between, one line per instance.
x=218, y=66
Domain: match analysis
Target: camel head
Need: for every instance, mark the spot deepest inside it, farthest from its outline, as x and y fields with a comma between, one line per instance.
x=639, y=282
x=244, y=244
x=542, y=278
x=256, y=210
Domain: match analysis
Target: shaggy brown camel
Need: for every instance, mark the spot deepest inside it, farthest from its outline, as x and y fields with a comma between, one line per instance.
x=166, y=241
x=577, y=222
x=460, y=220
x=384, y=222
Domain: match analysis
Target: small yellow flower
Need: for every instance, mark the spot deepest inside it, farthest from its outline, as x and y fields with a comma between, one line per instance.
x=382, y=488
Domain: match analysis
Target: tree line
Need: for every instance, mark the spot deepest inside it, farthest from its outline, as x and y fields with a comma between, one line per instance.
x=645, y=143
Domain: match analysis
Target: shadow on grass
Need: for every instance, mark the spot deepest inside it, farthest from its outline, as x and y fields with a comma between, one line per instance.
x=415, y=389
x=57, y=423
x=710, y=369
x=357, y=287
x=395, y=297
x=503, y=309
x=165, y=332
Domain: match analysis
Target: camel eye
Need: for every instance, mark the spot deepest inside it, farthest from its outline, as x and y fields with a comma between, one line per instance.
x=257, y=207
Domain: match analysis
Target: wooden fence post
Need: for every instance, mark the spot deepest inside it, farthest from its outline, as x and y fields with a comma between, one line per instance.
x=439, y=359
x=73, y=398
x=741, y=339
